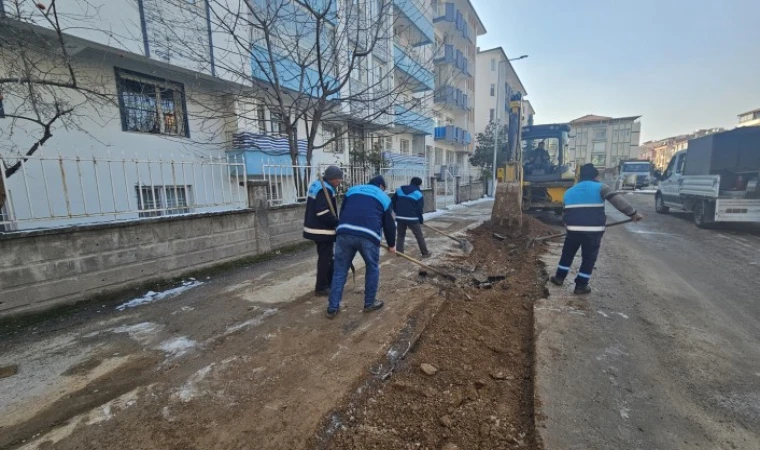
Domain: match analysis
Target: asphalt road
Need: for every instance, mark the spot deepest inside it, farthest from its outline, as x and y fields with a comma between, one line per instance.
x=665, y=353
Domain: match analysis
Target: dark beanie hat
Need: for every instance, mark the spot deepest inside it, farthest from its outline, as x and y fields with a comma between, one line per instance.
x=333, y=173
x=378, y=181
x=417, y=181
x=588, y=172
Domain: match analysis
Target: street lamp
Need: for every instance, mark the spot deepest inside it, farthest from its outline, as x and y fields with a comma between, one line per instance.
x=497, y=121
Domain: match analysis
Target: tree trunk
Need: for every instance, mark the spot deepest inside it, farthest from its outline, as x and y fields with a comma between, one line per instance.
x=2, y=191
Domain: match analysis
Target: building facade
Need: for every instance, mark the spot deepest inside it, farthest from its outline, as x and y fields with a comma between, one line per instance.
x=749, y=118
x=457, y=27
x=180, y=105
x=604, y=141
x=661, y=151
x=493, y=65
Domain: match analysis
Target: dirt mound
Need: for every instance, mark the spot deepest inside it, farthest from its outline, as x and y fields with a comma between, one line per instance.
x=467, y=383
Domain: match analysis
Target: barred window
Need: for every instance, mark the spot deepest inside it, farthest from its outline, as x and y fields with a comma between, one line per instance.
x=151, y=105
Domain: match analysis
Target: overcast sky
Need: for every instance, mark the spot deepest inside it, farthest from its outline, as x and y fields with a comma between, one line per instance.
x=681, y=64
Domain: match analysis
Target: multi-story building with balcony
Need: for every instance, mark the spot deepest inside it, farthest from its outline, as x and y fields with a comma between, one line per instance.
x=180, y=85
x=604, y=141
x=457, y=27
x=493, y=68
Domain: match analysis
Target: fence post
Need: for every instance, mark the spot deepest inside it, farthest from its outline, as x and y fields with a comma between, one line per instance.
x=257, y=201
x=457, y=190
x=434, y=187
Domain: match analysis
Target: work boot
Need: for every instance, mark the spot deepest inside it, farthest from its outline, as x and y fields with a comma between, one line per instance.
x=427, y=255
x=374, y=306
x=557, y=281
x=322, y=292
x=582, y=290
x=331, y=313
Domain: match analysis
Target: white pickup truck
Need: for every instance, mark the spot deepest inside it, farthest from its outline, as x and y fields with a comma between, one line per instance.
x=716, y=178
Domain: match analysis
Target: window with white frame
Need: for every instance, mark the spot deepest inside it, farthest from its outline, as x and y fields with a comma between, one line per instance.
x=493, y=90
x=151, y=105
x=599, y=147
x=600, y=133
x=277, y=124
x=405, y=149
x=493, y=65
x=261, y=118
x=388, y=143
x=438, y=156
x=492, y=114
x=163, y=200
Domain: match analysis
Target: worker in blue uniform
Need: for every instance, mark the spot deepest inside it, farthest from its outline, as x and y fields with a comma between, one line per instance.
x=319, y=225
x=408, y=205
x=365, y=216
x=586, y=220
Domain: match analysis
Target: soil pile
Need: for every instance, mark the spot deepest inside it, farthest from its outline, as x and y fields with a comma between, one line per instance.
x=467, y=383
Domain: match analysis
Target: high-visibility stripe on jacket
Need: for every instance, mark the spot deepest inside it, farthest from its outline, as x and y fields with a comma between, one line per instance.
x=408, y=204
x=366, y=212
x=319, y=222
x=584, y=207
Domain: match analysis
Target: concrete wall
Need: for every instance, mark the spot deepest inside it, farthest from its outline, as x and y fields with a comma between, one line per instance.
x=42, y=269
x=429, y=196
x=470, y=192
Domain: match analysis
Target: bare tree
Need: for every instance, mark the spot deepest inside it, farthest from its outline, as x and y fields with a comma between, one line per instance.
x=40, y=87
x=312, y=62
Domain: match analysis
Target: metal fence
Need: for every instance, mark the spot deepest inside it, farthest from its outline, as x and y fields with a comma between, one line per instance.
x=289, y=184
x=49, y=191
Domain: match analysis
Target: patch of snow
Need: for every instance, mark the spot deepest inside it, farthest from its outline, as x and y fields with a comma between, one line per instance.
x=603, y=314
x=190, y=389
x=177, y=346
x=140, y=332
x=151, y=296
x=256, y=321
x=434, y=214
x=625, y=413
x=622, y=315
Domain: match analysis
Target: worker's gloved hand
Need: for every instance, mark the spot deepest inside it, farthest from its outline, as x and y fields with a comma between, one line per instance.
x=637, y=217
x=392, y=250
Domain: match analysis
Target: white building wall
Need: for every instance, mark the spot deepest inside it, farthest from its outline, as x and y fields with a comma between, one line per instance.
x=98, y=134
x=604, y=143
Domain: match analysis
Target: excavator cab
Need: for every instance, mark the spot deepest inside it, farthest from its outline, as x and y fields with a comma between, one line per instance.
x=544, y=152
x=546, y=173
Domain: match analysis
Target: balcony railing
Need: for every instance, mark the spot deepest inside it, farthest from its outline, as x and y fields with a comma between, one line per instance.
x=423, y=78
x=409, y=10
x=290, y=74
x=450, y=55
x=452, y=96
x=448, y=14
x=452, y=134
x=414, y=120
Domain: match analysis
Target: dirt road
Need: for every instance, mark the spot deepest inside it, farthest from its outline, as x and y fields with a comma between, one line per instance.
x=665, y=354
x=244, y=360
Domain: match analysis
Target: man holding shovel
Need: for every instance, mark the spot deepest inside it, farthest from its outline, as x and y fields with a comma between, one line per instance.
x=408, y=204
x=586, y=221
x=319, y=225
x=365, y=215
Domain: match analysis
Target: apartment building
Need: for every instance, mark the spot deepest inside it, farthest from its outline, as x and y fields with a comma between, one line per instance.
x=492, y=66
x=457, y=27
x=661, y=151
x=180, y=103
x=749, y=118
x=604, y=141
